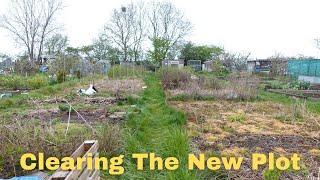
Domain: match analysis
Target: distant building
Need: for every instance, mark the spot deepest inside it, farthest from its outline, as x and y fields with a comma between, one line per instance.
x=207, y=65
x=6, y=65
x=259, y=66
x=195, y=64
x=173, y=63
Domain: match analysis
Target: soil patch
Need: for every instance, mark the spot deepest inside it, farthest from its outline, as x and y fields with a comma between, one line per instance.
x=242, y=128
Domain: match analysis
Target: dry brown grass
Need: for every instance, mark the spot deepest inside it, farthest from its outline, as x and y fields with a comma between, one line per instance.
x=236, y=88
x=261, y=131
x=124, y=86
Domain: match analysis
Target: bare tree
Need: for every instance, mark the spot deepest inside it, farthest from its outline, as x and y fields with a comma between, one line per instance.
x=47, y=20
x=234, y=61
x=278, y=65
x=167, y=24
x=139, y=25
x=120, y=29
x=30, y=22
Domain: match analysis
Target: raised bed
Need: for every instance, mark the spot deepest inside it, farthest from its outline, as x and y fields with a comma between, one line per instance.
x=313, y=94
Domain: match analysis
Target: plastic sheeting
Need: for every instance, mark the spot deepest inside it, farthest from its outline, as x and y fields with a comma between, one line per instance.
x=304, y=67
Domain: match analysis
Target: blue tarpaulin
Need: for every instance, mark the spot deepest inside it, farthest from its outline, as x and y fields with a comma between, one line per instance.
x=26, y=178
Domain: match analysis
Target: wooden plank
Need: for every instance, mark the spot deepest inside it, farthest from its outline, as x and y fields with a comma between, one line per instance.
x=74, y=174
x=86, y=172
x=95, y=175
x=60, y=174
x=90, y=146
x=288, y=94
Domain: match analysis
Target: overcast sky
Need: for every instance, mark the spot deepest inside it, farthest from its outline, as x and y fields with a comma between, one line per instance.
x=262, y=27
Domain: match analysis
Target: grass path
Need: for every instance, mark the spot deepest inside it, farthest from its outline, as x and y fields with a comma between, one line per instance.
x=158, y=128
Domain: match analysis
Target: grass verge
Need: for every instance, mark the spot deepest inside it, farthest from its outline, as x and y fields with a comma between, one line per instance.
x=157, y=129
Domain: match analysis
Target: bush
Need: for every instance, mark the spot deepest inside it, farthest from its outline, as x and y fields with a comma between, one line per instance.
x=6, y=103
x=13, y=81
x=213, y=83
x=172, y=78
x=37, y=81
x=16, y=82
x=244, y=86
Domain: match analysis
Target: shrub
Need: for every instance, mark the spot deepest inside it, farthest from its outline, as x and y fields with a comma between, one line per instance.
x=244, y=86
x=13, y=81
x=6, y=103
x=64, y=107
x=213, y=83
x=37, y=81
x=110, y=142
x=175, y=78
x=20, y=82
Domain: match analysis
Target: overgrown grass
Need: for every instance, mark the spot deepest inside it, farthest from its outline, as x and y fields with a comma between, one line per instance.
x=312, y=105
x=17, y=101
x=35, y=136
x=21, y=82
x=158, y=129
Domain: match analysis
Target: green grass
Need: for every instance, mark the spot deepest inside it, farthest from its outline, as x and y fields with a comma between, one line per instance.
x=158, y=128
x=237, y=118
x=312, y=105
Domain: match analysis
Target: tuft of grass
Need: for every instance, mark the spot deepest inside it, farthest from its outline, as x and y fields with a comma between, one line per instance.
x=241, y=117
x=271, y=174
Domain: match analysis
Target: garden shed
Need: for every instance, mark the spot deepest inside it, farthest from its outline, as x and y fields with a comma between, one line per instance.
x=207, y=66
x=259, y=65
x=173, y=63
x=195, y=64
x=305, y=70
